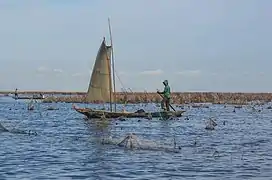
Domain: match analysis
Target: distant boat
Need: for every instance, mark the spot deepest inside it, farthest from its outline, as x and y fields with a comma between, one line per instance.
x=200, y=106
x=100, y=90
x=29, y=97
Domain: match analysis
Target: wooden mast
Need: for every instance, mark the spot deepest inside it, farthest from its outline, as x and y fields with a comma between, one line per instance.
x=110, y=79
x=113, y=69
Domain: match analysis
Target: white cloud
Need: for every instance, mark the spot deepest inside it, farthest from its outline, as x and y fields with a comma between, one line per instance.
x=46, y=70
x=190, y=73
x=58, y=70
x=152, y=72
x=42, y=69
x=77, y=74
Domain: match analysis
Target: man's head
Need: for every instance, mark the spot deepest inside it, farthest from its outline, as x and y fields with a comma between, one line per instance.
x=165, y=82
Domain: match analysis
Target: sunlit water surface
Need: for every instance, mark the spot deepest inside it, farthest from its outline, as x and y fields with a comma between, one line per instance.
x=66, y=146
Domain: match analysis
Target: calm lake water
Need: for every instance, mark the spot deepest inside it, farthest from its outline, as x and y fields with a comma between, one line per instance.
x=65, y=146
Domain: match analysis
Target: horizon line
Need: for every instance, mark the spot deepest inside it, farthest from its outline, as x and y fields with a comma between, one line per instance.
x=85, y=92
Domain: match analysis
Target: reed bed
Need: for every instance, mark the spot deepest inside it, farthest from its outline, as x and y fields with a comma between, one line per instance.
x=177, y=98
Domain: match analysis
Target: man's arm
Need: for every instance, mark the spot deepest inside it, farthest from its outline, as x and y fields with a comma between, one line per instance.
x=161, y=92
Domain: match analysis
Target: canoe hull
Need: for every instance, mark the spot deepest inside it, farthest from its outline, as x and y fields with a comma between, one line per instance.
x=27, y=98
x=94, y=114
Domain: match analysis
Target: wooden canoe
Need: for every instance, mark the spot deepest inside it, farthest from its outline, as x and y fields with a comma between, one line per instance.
x=93, y=114
x=28, y=97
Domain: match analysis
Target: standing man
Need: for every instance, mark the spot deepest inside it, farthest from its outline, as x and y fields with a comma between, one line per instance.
x=16, y=93
x=166, y=96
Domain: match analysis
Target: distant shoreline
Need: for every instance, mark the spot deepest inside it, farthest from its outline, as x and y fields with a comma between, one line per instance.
x=83, y=93
x=144, y=97
x=44, y=92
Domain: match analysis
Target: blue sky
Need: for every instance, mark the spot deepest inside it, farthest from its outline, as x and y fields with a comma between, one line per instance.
x=206, y=45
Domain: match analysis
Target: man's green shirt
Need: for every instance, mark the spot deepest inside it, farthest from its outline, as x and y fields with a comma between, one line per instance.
x=166, y=91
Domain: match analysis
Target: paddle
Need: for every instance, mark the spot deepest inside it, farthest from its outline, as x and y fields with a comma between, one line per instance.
x=169, y=103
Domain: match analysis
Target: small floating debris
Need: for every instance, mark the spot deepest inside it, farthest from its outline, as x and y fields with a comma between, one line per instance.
x=121, y=118
x=171, y=118
x=211, y=124
x=149, y=116
x=17, y=131
x=52, y=108
x=180, y=106
x=30, y=108
x=30, y=105
x=103, y=117
x=32, y=133
x=131, y=141
x=256, y=110
x=200, y=106
x=2, y=128
x=216, y=154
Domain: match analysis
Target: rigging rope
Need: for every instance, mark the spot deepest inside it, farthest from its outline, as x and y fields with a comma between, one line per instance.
x=125, y=91
x=122, y=87
x=119, y=80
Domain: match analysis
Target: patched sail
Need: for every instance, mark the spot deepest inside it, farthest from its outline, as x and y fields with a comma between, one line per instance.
x=100, y=89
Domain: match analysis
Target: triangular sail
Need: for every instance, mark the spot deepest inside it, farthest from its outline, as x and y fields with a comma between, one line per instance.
x=100, y=86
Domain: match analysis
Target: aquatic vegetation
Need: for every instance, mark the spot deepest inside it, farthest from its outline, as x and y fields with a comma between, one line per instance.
x=177, y=98
x=145, y=97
